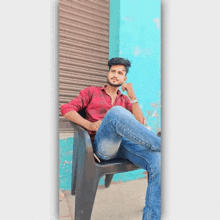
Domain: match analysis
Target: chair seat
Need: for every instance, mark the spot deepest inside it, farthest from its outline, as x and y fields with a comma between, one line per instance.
x=116, y=166
x=115, y=161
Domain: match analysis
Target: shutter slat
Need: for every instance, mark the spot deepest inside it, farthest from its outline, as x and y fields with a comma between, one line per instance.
x=74, y=18
x=80, y=44
x=82, y=57
x=69, y=30
x=95, y=67
x=92, y=17
x=68, y=83
x=83, y=70
x=88, y=6
x=86, y=53
x=82, y=27
x=86, y=39
x=79, y=76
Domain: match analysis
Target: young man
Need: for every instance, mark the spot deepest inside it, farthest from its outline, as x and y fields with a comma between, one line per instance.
x=115, y=125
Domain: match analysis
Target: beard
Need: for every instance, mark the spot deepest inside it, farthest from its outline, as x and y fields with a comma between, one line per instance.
x=115, y=85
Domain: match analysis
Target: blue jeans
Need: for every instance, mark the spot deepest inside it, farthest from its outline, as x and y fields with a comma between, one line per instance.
x=120, y=135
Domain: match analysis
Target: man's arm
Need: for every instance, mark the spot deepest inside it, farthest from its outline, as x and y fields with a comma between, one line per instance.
x=136, y=110
x=70, y=110
x=78, y=119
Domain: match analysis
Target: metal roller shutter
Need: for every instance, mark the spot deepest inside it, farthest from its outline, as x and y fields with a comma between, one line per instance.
x=83, y=48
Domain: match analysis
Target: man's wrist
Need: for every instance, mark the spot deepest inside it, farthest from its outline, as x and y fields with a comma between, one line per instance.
x=132, y=97
x=87, y=124
x=134, y=101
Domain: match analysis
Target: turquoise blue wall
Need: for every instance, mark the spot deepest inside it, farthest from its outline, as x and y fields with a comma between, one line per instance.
x=138, y=39
x=140, y=42
x=114, y=28
x=134, y=34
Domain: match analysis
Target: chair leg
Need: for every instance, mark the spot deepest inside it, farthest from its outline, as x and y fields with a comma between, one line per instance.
x=74, y=164
x=108, y=179
x=85, y=197
x=74, y=172
x=73, y=183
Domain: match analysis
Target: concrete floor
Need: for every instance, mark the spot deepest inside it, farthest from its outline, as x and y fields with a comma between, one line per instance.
x=124, y=200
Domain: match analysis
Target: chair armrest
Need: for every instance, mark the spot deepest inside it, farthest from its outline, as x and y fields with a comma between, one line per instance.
x=79, y=128
x=83, y=141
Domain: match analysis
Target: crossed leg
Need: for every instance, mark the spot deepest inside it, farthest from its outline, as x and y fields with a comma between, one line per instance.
x=117, y=123
x=120, y=135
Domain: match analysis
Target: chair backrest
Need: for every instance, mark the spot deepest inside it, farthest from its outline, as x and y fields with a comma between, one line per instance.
x=82, y=113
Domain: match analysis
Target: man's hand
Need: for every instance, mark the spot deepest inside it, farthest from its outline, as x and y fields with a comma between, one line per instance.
x=129, y=89
x=94, y=126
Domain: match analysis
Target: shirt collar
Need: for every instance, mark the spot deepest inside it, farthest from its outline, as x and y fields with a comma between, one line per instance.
x=118, y=92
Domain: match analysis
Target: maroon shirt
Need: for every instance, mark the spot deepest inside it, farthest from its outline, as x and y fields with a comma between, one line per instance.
x=96, y=102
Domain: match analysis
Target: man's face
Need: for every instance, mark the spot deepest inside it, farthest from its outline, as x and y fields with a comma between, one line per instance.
x=116, y=75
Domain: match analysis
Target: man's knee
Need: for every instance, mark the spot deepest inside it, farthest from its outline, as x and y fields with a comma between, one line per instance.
x=116, y=110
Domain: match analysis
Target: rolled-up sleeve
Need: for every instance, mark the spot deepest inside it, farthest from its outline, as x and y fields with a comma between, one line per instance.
x=78, y=103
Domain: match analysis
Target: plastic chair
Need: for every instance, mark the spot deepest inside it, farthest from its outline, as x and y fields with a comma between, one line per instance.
x=108, y=177
x=86, y=172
